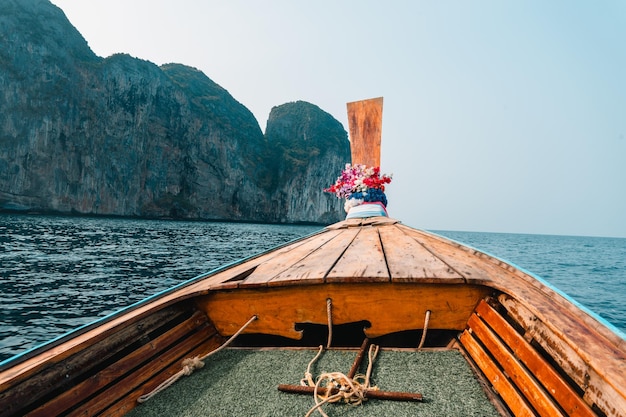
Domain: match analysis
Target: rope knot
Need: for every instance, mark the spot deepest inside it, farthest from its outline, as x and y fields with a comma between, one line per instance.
x=307, y=380
x=191, y=364
x=336, y=386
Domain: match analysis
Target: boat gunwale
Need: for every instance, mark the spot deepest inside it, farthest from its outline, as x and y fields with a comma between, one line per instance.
x=525, y=274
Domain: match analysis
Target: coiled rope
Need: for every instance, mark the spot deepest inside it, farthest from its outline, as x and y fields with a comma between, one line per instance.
x=337, y=386
x=190, y=364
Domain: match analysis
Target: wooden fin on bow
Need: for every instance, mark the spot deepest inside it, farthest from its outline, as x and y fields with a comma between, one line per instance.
x=365, y=120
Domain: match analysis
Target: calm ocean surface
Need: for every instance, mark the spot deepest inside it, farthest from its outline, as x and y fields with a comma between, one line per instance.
x=57, y=273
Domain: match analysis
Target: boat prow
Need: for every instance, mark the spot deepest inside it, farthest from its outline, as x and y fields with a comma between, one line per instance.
x=408, y=291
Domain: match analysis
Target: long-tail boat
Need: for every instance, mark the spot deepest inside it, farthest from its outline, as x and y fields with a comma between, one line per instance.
x=366, y=282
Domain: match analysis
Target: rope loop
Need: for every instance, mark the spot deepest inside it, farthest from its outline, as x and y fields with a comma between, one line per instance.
x=190, y=364
x=308, y=376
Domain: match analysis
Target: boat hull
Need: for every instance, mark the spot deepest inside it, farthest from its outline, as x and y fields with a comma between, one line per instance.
x=538, y=353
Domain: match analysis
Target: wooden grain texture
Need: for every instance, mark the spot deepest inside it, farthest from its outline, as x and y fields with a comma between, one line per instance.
x=599, y=360
x=601, y=384
x=230, y=277
x=113, y=393
x=388, y=307
x=521, y=377
x=363, y=221
x=72, y=365
x=124, y=404
x=362, y=260
x=501, y=384
x=409, y=261
x=267, y=271
x=463, y=261
x=567, y=398
x=365, y=120
x=111, y=373
x=316, y=265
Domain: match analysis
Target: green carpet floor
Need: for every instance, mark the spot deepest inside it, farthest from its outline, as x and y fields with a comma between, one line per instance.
x=244, y=383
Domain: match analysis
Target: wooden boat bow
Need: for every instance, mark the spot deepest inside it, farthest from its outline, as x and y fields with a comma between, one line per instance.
x=537, y=351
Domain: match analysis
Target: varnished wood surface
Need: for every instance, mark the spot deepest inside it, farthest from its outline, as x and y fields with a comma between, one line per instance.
x=597, y=374
x=366, y=265
x=389, y=307
x=383, y=250
x=378, y=249
x=522, y=378
x=375, y=270
x=500, y=383
x=555, y=385
x=365, y=119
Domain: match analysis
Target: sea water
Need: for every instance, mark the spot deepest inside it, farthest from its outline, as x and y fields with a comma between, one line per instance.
x=58, y=273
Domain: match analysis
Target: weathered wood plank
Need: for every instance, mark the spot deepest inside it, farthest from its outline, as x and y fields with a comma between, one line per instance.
x=315, y=266
x=501, y=384
x=123, y=386
x=389, y=307
x=409, y=261
x=470, y=267
x=562, y=353
x=128, y=402
x=266, y=271
x=365, y=221
x=365, y=120
x=103, y=377
x=540, y=368
x=362, y=260
x=523, y=379
x=232, y=277
x=73, y=363
x=599, y=389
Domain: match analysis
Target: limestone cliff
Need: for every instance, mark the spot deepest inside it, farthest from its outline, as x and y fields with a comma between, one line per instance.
x=122, y=136
x=298, y=133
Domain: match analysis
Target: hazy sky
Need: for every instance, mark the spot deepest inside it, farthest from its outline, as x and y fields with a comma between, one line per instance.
x=499, y=116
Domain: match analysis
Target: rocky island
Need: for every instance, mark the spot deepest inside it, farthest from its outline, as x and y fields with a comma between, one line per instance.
x=121, y=136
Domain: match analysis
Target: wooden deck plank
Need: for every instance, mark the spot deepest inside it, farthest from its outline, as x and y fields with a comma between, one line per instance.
x=362, y=260
x=524, y=381
x=363, y=221
x=112, y=394
x=472, y=268
x=599, y=388
x=128, y=402
x=116, y=370
x=64, y=372
x=600, y=350
x=409, y=261
x=233, y=276
x=267, y=271
x=501, y=384
x=315, y=266
x=569, y=399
